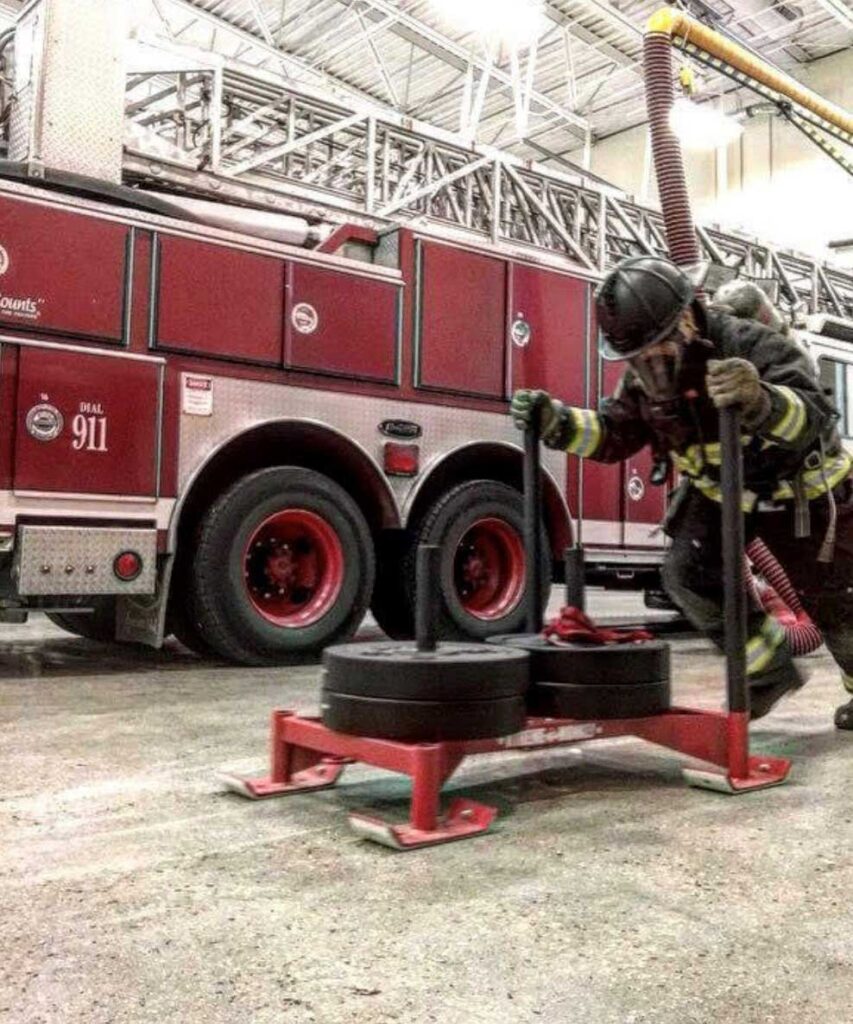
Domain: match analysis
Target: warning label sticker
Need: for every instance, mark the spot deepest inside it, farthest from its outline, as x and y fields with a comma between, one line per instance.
x=197, y=395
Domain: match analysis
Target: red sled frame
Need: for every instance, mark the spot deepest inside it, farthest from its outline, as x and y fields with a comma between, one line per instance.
x=305, y=756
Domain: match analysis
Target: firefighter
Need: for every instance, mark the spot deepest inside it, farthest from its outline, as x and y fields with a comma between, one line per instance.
x=684, y=363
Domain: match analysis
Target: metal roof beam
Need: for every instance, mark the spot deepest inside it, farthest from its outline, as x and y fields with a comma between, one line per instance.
x=591, y=40
x=615, y=17
x=457, y=56
x=291, y=65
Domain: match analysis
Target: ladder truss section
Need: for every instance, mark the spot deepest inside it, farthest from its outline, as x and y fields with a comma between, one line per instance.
x=228, y=133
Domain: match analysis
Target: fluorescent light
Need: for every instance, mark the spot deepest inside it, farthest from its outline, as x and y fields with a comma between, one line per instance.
x=515, y=22
x=700, y=126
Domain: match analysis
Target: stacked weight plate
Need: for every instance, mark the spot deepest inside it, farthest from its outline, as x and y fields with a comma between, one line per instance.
x=581, y=681
x=396, y=691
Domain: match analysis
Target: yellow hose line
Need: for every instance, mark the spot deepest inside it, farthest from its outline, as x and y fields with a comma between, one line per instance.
x=676, y=24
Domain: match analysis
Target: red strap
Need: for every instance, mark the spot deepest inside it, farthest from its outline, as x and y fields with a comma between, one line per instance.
x=572, y=626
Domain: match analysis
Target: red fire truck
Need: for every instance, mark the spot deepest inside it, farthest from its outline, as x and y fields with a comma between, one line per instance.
x=241, y=442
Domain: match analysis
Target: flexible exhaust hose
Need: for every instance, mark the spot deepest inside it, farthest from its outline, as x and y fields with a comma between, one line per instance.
x=802, y=635
x=666, y=150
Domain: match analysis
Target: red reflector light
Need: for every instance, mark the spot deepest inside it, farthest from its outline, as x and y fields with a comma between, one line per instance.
x=127, y=566
x=401, y=459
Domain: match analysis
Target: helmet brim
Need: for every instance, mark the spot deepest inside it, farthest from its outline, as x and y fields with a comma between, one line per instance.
x=611, y=355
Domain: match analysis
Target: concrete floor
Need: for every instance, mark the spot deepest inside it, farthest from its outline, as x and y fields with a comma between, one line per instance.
x=133, y=889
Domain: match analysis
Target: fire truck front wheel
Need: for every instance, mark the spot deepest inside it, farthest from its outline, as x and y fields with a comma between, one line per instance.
x=482, y=578
x=284, y=567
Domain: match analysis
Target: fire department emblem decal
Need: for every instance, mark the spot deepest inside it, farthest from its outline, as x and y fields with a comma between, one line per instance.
x=636, y=488
x=304, y=318
x=44, y=422
x=4, y=261
x=520, y=332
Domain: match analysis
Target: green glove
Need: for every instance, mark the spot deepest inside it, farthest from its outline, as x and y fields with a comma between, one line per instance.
x=737, y=382
x=551, y=412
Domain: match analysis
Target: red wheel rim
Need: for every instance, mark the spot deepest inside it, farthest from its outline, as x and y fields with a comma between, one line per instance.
x=488, y=569
x=293, y=568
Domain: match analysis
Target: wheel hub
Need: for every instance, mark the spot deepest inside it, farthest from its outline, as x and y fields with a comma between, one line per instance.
x=293, y=568
x=489, y=569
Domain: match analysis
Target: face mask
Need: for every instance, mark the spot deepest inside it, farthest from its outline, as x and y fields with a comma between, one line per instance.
x=658, y=368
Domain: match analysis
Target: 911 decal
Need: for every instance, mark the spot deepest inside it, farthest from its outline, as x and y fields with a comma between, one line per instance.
x=89, y=428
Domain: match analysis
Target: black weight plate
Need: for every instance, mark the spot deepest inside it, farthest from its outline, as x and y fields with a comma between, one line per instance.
x=422, y=721
x=619, y=700
x=586, y=665
x=397, y=670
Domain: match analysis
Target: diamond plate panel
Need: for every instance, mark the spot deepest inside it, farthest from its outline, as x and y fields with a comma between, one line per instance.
x=79, y=560
x=19, y=125
x=76, y=120
x=22, y=110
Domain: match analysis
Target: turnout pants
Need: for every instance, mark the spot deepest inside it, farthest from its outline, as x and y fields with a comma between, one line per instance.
x=692, y=576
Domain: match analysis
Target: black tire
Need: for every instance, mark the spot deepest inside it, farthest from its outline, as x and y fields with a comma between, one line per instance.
x=392, y=605
x=232, y=611
x=453, y=672
x=182, y=624
x=584, y=665
x=446, y=525
x=418, y=721
x=623, y=700
x=99, y=624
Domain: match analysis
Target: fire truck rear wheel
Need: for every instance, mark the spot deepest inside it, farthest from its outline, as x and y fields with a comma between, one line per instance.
x=99, y=624
x=284, y=567
x=479, y=526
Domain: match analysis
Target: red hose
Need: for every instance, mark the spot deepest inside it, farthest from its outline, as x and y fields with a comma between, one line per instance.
x=781, y=601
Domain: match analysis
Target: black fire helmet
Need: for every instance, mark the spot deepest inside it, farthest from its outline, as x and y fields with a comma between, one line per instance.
x=639, y=303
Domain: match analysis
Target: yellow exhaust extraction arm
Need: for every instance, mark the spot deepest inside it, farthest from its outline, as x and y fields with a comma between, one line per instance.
x=678, y=26
x=670, y=27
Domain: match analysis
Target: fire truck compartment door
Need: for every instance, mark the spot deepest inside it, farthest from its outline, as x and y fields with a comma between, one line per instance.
x=645, y=503
x=342, y=324
x=461, y=327
x=218, y=301
x=62, y=272
x=547, y=330
x=87, y=423
x=603, y=486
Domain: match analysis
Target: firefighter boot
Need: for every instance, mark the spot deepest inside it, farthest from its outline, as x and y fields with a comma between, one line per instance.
x=844, y=716
x=766, y=690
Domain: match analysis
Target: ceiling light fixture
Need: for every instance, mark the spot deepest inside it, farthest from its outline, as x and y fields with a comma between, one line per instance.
x=514, y=22
x=700, y=126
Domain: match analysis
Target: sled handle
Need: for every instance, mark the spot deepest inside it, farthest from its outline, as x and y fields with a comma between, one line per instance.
x=734, y=593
